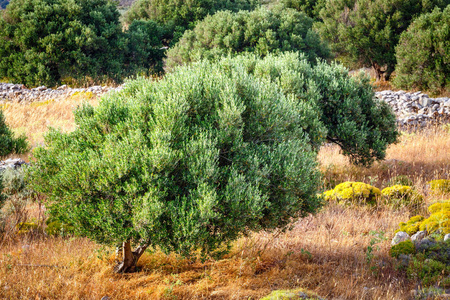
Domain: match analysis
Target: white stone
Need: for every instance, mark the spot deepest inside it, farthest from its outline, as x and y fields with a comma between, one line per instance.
x=399, y=237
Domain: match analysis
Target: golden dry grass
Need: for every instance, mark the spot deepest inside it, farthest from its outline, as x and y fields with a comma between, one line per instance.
x=327, y=253
x=34, y=119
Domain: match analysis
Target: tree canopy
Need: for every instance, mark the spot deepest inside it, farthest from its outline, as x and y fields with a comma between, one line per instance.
x=365, y=32
x=428, y=66
x=191, y=161
x=176, y=16
x=261, y=31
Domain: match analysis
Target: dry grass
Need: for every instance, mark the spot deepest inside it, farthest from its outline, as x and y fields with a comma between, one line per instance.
x=422, y=155
x=327, y=253
x=34, y=119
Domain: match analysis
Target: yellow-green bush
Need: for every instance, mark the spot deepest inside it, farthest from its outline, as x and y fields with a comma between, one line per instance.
x=353, y=192
x=438, y=220
x=406, y=247
x=412, y=226
x=440, y=186
x=402, y=195
x=296, y=294
x=25, y=227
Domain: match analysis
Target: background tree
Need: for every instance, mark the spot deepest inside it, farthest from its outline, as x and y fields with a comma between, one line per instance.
x=365, y=32
x=191, y=161
x=428, y=66
x=338, y=108
x=144, y=49
x=310, y=7
x=261, y=31
x=178, y=15
x=41, y=41
x=8, y=143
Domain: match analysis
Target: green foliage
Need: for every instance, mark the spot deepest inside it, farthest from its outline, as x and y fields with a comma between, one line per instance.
x=8, y=143
x=26, y=227
x=428, y=66
x=42, y=41
x=57, y=227
x=261, y=31
x=310, y=7
x=176, y=16
x=429, y=271
x=362, y=126
x=406, y=247
x=353, y=192
x=191, y=161
x=144, y=52
x=365, y=32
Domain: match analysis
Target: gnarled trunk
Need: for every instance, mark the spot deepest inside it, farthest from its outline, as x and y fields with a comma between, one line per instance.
x=130, y=258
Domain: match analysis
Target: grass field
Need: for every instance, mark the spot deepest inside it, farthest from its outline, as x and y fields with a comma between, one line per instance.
x=340, y=253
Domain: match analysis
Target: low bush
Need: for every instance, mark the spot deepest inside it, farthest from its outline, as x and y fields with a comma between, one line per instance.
x=438, y=221
x=400, y=180
x=353, y=193
x=406, y=247
x=440, y=186
x=401, y=196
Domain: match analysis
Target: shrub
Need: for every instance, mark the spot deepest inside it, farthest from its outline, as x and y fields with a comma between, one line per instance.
x=261, y=31
x=8, y=143
x=296, y=294
x=438, y=221
x=365, y=32
x=402, y=195
x=353, y=192
x=176, y=16
x=362, y=126
x=406, y=247
x=186, y=163
x=440, y=186
x=428, y=66
x=412, y=226
x=429, y=271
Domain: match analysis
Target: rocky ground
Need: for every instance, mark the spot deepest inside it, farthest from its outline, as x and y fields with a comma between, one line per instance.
x=411, y=109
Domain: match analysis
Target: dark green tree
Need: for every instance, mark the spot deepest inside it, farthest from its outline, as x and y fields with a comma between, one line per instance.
x=365, y=32
x=42, y=41
x=310, y=7
x=144, y=49
x=428, y=66
x=334, y=106
x=189, y=162
x=8, y=143
x=176, y=16
x=261, y=31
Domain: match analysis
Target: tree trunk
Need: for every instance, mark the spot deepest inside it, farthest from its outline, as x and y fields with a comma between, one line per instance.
x=130, y=258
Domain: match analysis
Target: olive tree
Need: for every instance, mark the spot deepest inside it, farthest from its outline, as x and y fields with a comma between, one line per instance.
x=335, y=106
x=428, y=66
x=261, y=31
x=365, y=32
x=189, y=162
